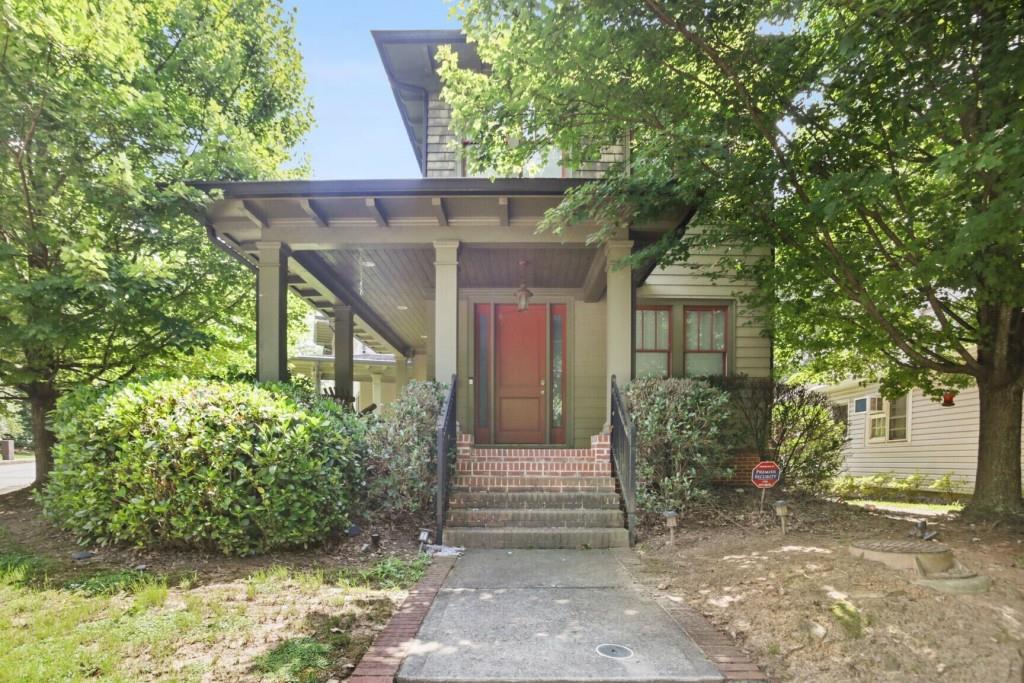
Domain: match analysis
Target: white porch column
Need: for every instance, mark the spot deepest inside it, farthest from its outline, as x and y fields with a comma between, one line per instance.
x=401, y=373
x=271, y=312
x=343, y=351
x=446, y=309
x=377, y=379
x=619, y=321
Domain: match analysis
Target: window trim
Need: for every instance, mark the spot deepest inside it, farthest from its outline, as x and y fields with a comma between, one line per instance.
x=638, y=333
x=884, y=413
x=724, y=308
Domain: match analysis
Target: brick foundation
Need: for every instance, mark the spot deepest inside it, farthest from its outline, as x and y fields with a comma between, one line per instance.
x=742, y=464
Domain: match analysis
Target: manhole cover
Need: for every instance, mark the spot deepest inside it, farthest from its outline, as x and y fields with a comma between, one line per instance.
x=912, y=547
x=614, y=651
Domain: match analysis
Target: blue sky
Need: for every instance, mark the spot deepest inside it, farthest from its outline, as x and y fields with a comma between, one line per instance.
x=358, y=132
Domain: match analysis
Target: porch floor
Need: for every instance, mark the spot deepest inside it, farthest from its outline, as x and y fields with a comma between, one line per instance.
x=539, y=615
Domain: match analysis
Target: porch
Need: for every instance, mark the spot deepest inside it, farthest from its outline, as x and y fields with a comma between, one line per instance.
x=428, y=270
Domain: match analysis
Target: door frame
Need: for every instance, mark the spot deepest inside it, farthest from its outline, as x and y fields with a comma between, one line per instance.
x=539, y=298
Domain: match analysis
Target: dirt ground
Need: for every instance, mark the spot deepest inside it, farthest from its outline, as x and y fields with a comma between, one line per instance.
x=22, y=522
x=807, y=610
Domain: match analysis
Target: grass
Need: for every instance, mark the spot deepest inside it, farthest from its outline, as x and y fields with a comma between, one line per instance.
x=72, y=623
x=943, y=508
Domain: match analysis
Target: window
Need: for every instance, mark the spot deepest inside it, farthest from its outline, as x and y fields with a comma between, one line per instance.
x=653, y=341
x=860, y=405
x=887, y=420
x=704, y=341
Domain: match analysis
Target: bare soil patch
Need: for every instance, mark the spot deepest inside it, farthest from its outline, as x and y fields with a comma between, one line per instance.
x=807, y=610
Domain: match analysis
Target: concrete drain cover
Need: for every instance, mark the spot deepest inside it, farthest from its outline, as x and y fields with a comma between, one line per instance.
x=614, y=651
x=923, y=556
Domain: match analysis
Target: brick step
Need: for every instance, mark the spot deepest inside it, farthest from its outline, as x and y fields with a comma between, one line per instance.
x=534, y=453
x=497, y=482
x=545, y=500
x=527, y=517
x=584, y=468
x=536, y=537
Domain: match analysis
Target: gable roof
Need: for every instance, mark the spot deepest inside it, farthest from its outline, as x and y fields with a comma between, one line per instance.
x=409, y=59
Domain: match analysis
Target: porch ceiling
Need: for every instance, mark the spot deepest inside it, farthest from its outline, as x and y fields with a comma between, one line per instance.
x=332, y=227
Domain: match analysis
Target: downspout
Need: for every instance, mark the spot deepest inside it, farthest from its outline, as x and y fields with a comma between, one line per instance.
x=227, y=249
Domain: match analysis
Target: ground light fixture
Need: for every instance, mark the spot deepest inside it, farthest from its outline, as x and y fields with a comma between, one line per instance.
x=671, y=521
x=424, y=538
x=782, y=510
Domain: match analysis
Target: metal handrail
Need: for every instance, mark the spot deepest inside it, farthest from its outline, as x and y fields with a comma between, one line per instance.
x=623, y=442
x=446, y=426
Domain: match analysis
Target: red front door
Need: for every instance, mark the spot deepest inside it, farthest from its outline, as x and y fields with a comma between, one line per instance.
x=520, y=365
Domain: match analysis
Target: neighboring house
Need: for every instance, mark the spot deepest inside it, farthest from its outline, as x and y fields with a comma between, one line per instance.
x=913, y=434
x=448, y=274
x=375, y=379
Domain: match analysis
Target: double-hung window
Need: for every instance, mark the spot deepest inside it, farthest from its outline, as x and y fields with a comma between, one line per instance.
x=653, y=341
x=704, y=340
x=887, y=420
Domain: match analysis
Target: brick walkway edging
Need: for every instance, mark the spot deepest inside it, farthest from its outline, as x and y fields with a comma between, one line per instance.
x=734, y=664
x=380, y=663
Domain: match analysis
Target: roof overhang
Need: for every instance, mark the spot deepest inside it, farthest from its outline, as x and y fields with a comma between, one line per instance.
x=409, y=59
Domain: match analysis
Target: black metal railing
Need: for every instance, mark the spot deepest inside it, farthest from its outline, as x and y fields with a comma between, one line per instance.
x=624, y=456
x=446, y=435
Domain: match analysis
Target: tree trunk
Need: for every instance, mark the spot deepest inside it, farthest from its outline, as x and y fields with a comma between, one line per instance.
x=997, y=487
x=42, y=399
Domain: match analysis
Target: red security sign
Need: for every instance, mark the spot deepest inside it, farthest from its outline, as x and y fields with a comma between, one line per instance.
x=766, y=474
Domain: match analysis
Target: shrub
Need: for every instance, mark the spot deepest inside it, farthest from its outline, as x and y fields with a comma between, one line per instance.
x=231, y=467
x=402, y=441
x=680, y=439
x=794, y=424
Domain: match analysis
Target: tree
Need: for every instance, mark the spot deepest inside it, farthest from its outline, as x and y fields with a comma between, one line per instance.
x=876, y=147
x=106, y=110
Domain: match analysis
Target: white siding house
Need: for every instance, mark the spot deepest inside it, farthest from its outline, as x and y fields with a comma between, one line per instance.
x=937, y=440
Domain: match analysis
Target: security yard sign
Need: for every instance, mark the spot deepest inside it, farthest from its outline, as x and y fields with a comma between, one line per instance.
x=766, y=474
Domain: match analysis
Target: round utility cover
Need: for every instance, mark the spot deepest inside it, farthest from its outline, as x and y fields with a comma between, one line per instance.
x=922, y=556
x=614, y=651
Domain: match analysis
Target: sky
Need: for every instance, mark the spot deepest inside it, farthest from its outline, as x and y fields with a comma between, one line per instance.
x=358, y=132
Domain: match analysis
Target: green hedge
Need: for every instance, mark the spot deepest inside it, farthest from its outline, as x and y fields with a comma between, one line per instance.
x=231, y=467
x=681, y=440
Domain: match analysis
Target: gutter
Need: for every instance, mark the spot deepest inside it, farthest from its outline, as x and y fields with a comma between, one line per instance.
x=227, y=249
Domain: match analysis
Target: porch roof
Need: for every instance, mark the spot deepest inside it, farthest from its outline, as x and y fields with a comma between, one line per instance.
x=369, y=243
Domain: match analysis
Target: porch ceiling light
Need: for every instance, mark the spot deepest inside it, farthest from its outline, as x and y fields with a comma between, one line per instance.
x=523, y=294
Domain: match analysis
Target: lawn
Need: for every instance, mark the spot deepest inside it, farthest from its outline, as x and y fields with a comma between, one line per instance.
x=901, y=506
x=128, y=616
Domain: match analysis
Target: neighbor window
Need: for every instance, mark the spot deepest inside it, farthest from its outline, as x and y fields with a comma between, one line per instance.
x=887, y=420
x=653, y=341
x=704, y=343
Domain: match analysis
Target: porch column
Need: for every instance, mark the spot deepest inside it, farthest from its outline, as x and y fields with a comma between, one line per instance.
x=271, y=312
x=619, y=321
x=401, y=373
x=377, y=379
x=343, y=351
x=446, y=308
x=420, y=370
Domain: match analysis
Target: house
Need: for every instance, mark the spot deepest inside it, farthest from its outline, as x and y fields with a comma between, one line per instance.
x=910, y=435
x=447, y=273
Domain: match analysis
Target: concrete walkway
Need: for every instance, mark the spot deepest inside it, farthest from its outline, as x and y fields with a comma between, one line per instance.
x=16, y=475
x=540, y=615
